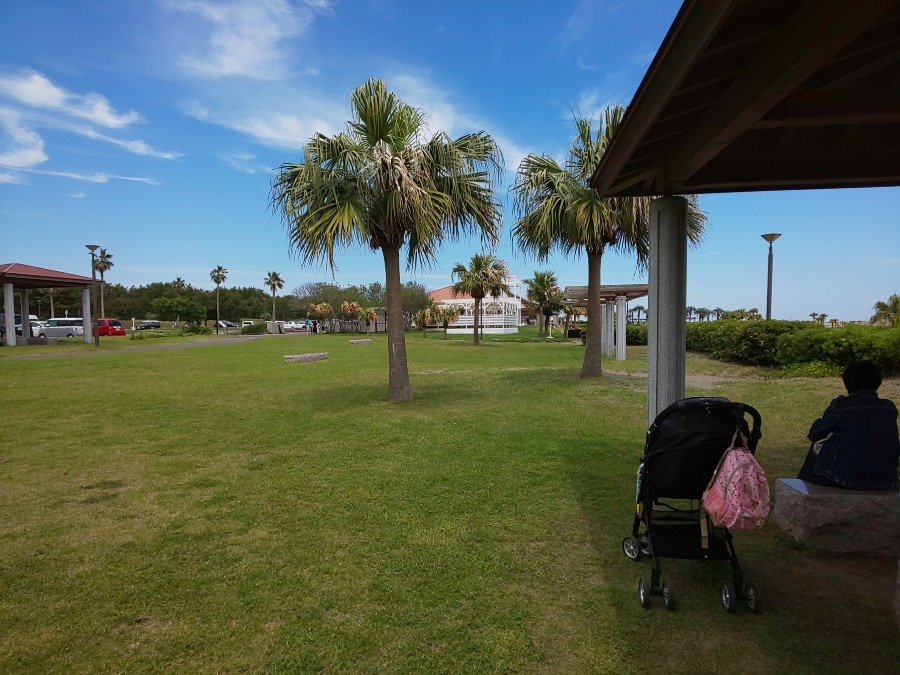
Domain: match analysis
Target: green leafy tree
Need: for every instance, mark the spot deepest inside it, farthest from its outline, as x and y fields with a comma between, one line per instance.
x=558, y=209
x=218, y=276
x=274, y=281
x=381, y=184
x=887, y=313
x=485, y=275
x=103, y=263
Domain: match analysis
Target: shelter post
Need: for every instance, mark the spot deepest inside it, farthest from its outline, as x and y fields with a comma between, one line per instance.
x=9, y=308
x=26, y=313
x=601, y=326
x=667, y=303
x=610, y=329
x=88, y=320
x=621, y=321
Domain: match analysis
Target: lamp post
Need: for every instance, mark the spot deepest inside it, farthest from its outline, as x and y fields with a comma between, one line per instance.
x=94, y=329
x=769, y=238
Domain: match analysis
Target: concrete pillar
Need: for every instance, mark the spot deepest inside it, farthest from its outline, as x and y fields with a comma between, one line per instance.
x=621, y=322
x=601, y=326
x=610, y=329
x=667, y=302
x=87, y=320
x=26, y=312
x=9, y=309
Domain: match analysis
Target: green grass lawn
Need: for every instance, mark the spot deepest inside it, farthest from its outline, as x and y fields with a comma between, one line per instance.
x=213, y=509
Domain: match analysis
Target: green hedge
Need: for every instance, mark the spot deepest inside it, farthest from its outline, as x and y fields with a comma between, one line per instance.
x=786, y=343
x=636, y=334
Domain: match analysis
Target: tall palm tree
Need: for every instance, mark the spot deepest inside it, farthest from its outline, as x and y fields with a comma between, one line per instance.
x=485, y=275
x=539, y=289
x=102, y=263
x=887, y=313
x=381, y=185
x=274, y=281
x=557, y=208
x=179, y=285
x=218, y=276
x=639, y=309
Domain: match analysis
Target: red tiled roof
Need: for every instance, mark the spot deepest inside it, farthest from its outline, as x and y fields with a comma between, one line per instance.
x=29, y=276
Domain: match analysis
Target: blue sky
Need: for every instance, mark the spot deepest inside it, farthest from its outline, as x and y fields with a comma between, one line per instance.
x=152, y=128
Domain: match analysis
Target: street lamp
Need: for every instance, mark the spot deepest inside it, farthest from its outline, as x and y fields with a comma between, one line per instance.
x=94, y=328
x=769, y=238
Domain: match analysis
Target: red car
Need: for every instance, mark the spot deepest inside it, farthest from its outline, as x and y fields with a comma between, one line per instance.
x=109, y=327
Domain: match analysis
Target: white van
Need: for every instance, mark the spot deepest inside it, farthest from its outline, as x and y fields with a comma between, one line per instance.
x=65, y=327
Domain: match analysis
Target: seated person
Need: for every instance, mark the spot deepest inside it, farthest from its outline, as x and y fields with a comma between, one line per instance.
x=855, y=443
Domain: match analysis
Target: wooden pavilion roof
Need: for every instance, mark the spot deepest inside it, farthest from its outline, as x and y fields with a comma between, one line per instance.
x=29, y=276
x=577, y=295
x=762, y=95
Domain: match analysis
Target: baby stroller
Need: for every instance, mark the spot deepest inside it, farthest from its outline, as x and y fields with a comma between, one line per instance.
x=683, y=448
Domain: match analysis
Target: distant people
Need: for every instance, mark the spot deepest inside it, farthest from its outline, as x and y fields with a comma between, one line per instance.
x=315, y=326
x=855, y=443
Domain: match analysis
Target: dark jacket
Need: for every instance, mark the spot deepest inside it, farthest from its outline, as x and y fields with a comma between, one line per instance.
x=861, y=449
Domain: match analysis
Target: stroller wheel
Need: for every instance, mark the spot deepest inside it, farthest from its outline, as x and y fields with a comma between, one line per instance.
x=729, y=596
x=631, y=547
x=752, y=598
x=644, y=593
x=667, y=596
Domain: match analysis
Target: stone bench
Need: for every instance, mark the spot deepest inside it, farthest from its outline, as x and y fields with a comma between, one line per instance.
x=361, y=342
x=839, y=520
x=305, y=358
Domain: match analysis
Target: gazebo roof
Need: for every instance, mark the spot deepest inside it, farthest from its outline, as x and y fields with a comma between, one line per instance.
x=762, y=95
x=29, y=276
x=577, y=295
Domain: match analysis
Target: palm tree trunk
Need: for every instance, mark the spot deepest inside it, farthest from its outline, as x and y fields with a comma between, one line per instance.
x=102, y=303
x=399, y=388
x=593, y=347
x=546, y=330
x=273, y=303
x=475, y=321
x=51, y=291
x=217, y=308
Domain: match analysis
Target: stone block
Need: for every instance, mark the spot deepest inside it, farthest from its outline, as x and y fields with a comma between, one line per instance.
x=305, y=358
x=360, y=342
x=839, y=520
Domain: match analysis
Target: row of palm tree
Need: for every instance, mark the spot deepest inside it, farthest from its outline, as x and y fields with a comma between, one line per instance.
x=382, y=183
x=219, y=274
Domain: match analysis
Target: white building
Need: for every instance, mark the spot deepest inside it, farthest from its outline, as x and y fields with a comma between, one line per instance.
x=500, y=315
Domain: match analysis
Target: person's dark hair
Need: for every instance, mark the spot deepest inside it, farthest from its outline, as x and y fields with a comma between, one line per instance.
x=861, y=375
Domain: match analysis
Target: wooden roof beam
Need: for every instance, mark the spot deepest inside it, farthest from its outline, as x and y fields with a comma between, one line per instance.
x=816, y=34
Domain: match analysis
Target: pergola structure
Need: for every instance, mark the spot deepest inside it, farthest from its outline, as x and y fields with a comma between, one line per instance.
x=747, y=95
x=25, y=278
x=613, y=312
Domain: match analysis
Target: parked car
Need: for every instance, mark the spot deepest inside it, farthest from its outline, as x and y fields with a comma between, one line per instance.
x=291, y=325
x=227, y=324
x=62, y=327
x=248, y=323
x=36, y=327
x=109, y=327
x=148, y=324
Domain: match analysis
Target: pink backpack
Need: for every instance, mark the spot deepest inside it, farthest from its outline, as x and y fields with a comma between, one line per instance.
x=737, y=496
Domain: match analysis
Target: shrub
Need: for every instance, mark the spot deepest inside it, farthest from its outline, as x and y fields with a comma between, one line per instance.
x=840, y=346
x=254, y=329
x=147, y=334
x=749, y=342
x=636, y=334
x=196, y=329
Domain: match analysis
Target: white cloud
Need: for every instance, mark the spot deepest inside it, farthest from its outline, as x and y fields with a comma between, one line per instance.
x=136, y=146
x=95, y=177
x=12, y=178
x=20, y=147
x=35, y=90
x=80, y=194
x=245, y=38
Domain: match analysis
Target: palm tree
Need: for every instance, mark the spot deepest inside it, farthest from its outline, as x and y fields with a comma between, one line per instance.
x=887, y=313
x=179, y=285
x=274, y=281
x=218, y=276
x=102, y=263
x=638, y=309
x=444, y=315
x=557, y=208
x=485, y=275
x=379, y=184
x=539, y=288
